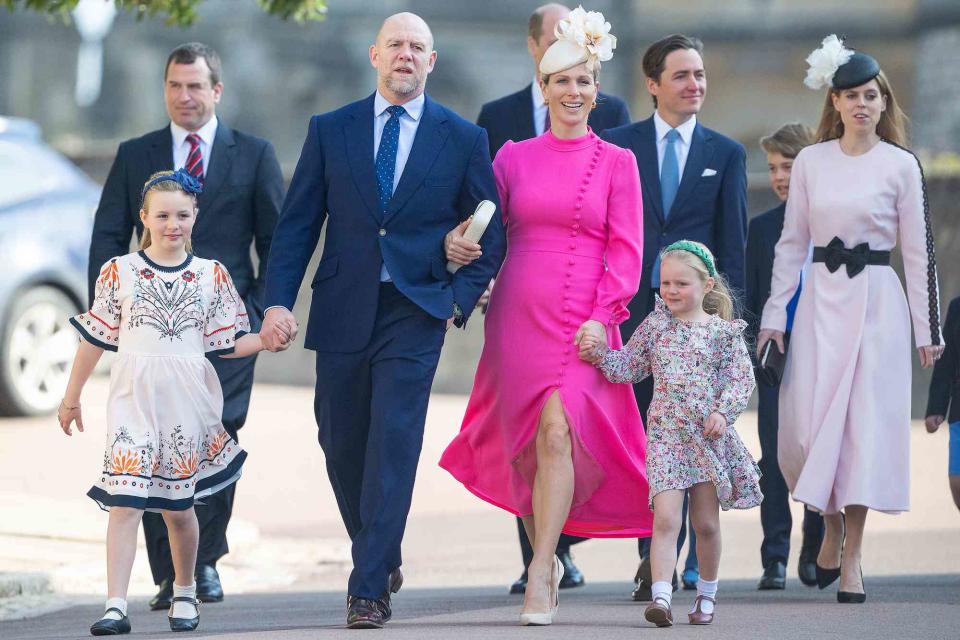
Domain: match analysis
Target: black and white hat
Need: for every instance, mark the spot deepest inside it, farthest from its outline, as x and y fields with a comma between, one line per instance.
x=833, y=65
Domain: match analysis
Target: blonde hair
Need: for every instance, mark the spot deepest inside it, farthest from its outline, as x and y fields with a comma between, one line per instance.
x=788, y=140
x=164, y=185
x=893, y=120
x=718, y=301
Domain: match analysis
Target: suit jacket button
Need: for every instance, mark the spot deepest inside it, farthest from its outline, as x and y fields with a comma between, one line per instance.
x=383, y=232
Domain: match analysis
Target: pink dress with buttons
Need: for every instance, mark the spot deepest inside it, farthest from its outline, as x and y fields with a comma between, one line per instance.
x=574, y=219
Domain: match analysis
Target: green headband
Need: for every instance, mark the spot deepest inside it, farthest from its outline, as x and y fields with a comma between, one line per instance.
x=696, y=249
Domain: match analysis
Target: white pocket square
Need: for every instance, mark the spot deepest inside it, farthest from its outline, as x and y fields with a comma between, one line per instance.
x=708, y=172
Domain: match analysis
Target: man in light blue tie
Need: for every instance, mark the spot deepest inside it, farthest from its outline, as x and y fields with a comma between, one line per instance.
x=694, y=188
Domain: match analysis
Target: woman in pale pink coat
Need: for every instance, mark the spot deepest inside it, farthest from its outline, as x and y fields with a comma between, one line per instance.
x=844, y=439
x=545, y=436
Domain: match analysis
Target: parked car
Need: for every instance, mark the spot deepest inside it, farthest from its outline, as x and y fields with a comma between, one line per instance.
x=46, y=215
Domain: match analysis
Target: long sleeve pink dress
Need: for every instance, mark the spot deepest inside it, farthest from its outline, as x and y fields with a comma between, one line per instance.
x=573, y=215
x=844, y=434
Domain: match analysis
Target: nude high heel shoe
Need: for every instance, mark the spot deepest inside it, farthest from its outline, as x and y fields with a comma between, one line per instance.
x=544, y=619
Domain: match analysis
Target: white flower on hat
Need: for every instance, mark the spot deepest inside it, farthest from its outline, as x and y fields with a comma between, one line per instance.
x=583, y=36
x=825, y=61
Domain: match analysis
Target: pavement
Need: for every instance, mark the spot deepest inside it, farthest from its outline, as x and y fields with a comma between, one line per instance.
x=289, y=560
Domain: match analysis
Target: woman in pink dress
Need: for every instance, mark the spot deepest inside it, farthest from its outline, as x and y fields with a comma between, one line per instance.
x=844, y=440
x=545, y=436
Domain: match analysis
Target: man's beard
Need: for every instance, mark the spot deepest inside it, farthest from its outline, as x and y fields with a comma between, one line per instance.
x=404, y=86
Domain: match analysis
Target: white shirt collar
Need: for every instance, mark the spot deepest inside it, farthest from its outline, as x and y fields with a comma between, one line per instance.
x=207, y=133
x=537, y=94
x=414, y=108
x=685, y=130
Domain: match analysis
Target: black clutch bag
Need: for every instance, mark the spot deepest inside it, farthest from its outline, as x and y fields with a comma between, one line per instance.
x=772, y=362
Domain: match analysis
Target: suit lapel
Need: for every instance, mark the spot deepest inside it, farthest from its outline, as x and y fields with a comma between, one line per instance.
x=701, y=152
x=526, y=128
x=429, y=140
x=358, y=142
x=160, y=154
x=221, y=159
x=645, y=146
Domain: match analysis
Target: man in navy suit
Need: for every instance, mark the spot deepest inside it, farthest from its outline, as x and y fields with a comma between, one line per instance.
x=523, y=115
x=390, y=175
x=520, y=116
x=694, y=188
x=764, y=232
x=242, y=191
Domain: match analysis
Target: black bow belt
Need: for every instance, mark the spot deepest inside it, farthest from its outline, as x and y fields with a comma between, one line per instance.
x=835, y=255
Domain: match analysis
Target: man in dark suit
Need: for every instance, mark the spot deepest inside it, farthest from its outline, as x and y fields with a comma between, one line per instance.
x=520, y=116
x=242, y=191
x=764, y=232
x=694, y=188
x=523, y=115
x=390, y=175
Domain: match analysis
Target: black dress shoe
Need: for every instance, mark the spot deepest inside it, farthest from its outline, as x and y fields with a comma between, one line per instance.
x=807, y=566
x=164, y=596
x=365, y=613
x=572, y=577
x=209, y=588
x=644, y=579
x=394, y=581
x=774, y=577
x=109, y=626
x=184, y=624
x=520, y=586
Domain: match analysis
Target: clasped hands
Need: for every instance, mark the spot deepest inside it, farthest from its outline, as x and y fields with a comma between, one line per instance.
x=279, y=329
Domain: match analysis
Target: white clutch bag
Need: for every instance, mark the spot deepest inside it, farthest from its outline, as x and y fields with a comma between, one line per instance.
x=481, y=218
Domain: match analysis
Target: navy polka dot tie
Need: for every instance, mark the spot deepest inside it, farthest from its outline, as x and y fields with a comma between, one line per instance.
x=387, y=156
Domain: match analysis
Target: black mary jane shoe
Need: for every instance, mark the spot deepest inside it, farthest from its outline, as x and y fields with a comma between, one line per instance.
x=852, y=597
x=109, y=626
x=184, y=624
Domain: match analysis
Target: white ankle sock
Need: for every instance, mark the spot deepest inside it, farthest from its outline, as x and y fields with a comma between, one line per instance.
x=707, y=588
x=184, y=609
x=115, y=603
x=662, y=591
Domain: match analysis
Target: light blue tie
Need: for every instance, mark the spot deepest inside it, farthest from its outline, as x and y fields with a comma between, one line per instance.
x=670, y=172
x=669, y=183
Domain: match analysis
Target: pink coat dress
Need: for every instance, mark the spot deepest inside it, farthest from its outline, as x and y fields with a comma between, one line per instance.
x=844, y=434
x=573, y=215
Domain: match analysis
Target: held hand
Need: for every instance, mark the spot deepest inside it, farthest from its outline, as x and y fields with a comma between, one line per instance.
x=714, y=426
x=278, y=322
x=932, y=423
x=594, y=334
x=459, y=250
x=67, y=414
x=767, y=335
x=929, y=355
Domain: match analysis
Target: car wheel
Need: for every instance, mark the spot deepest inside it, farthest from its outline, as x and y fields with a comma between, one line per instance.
x=37, y=346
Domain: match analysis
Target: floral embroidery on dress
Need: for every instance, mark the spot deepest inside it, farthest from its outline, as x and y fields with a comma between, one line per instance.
x=170, y=307
x=698, y=369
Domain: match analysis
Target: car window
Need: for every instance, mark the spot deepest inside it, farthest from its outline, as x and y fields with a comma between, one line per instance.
x=28, y=171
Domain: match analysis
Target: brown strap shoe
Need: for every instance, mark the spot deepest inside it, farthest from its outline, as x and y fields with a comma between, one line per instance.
x=659, y=613
x=697, y=616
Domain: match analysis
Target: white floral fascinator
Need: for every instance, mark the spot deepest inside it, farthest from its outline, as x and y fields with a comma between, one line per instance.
x=825, y=61
x=583, y=36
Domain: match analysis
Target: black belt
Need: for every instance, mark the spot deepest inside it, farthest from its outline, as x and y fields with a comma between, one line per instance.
x=835, y=255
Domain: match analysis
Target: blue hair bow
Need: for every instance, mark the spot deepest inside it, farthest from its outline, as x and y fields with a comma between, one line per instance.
x=186, y=181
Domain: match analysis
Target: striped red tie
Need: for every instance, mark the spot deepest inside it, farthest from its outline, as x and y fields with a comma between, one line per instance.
x=194, y=164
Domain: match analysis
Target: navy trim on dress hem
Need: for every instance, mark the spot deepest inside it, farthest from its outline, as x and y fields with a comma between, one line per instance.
x=89, y=338
x=106, y=500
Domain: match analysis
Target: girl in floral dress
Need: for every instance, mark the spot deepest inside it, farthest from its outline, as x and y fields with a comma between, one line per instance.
x=161, y=309
x=703, y=378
